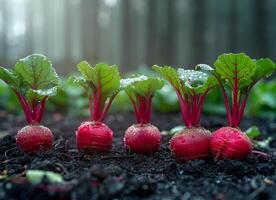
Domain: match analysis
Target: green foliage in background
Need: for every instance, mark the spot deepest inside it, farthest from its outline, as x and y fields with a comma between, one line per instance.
x=70, y=98
x=262, y=101
x=8, y=99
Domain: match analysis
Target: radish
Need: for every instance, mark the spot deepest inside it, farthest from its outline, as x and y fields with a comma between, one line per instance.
x=33, y=80
x=34, y=137
x=228, y=142
x=143, y=137
x=95, y=136
x=191, y=88
x=239, y=73
x=102, y=83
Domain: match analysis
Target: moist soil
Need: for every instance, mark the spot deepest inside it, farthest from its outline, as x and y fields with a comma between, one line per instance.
x=121, y=174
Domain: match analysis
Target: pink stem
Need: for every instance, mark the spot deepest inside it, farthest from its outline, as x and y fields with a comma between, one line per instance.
x=235, y=99
x=95, y=106
x=97, y=103
x=148, y=110
x=183, y=109
x=34, y=109
x=226, y=102
x=91, y=105
x=188, y=105
x=195, y=109
x=26, y=110
x=106, y=108
x=42, y=109
x=191, y=106
x=199, y=108
x=135, y=109
x=142, y=109
x=37, y=111
x=241, y=112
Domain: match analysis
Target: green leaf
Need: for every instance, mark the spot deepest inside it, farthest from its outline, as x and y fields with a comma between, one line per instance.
x=162, y=103
x=253, y=132
x=170, y=74
x=9, y=78
x=80, y=81
x=204, y=67
x=264, y=144
x=47, y=92
x=141, y=85
x=87, y=71
x=230, y=66
x=36, y=176
x=36, y=72
x=102, y=76
x=39, y=94
x=32, y=77
x=196, y=81
x=264, y=68
x=262, y=101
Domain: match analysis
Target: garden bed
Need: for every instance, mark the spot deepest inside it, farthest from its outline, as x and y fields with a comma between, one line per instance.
x=124, y=175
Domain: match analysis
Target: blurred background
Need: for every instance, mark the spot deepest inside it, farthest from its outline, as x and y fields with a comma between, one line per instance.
x=135, y=34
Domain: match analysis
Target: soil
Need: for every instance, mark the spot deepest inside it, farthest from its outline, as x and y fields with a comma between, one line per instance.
x=120, y=174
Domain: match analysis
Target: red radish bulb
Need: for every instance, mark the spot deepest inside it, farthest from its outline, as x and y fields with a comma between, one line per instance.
x=191, y=88
x=102, y=83
x=191, y=144
x=33, y=138
x=33, y=80
x=231, y=143
x=94, y=136
x=143, y=138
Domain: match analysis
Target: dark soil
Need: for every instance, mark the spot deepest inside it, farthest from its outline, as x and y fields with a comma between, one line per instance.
x=124, y=175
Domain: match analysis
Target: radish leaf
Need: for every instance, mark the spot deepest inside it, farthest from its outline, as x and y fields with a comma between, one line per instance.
x=253, y=132
x=196, y=81
x=102, y=84
x=264, y=68
x=37, y=74
x=235, y=66
x=102, y=76
x=9, y=78
x=170, y=74
x=141, y=85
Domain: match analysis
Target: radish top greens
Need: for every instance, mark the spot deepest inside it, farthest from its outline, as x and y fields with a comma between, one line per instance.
x=191, y=88
x=102, y=83
x=33, y=79
x=239, y=73
x=140, y=90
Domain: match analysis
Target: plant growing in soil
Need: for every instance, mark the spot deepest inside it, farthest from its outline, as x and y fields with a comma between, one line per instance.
x=143, y=137
x=191, y=88
x=102, y=83
x=33, y=79
x=236, y=74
